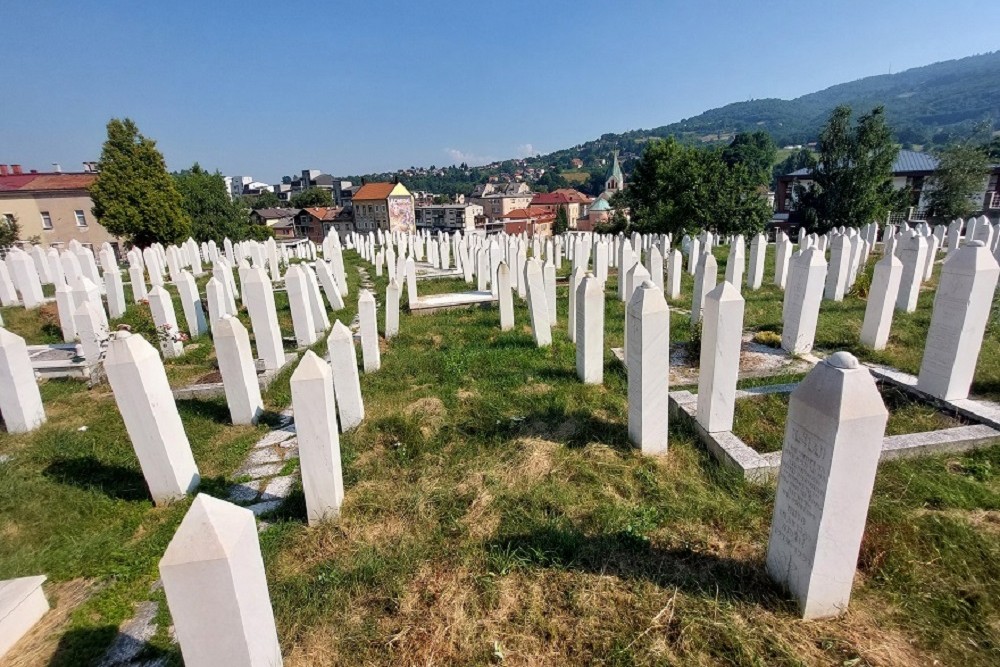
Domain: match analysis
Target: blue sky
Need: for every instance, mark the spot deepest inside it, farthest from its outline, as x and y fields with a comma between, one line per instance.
x=267, y=89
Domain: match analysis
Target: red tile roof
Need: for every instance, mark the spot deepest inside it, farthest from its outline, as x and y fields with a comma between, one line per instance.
x=323, y=212
x=370, y=191
x=530, y=212
x=561, y=196
x=50, y=182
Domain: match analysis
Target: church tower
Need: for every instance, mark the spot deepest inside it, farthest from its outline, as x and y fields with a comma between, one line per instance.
x=616, y=180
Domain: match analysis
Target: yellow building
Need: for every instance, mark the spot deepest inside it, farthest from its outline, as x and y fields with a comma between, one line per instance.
x=51, y=208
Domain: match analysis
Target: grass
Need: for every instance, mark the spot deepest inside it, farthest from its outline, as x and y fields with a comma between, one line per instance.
x=494, y=506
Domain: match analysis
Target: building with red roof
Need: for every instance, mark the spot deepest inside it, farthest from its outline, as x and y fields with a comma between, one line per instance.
x=574, y=202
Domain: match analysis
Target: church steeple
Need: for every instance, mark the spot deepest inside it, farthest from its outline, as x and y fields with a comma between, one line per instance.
x=616, y=180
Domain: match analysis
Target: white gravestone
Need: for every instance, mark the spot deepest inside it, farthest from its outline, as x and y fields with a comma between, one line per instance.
x=239, y=376
x=20, y=400
x=575, y=278
x=961, y=311
x=647, y=322
x=369, y=332
x=216, y=587
x=346, y=381
x=836, y=276
x=319, y=443
x=721, y=340
x=147, y=406
x=264, y=319
x=914, y=258
x=194, y=314
x=590, y=329
x=881, y=302
x=833, y=440
x=168, y=333
x=505, y=297
x=736, y=264
x=802, y=299
x=758, y=253
x=297, y=286
x=705, y=278
x=675, y=271
x=538, y=308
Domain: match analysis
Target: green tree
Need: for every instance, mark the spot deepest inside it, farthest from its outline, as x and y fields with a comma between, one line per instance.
x=312, y=197
x=213, y=214
x=10, y=230
x=265, y=199
x=852, y=179
x=679, y=189
x=755, y=150
x=562, y=221
x=960, y=175
x=134, y=196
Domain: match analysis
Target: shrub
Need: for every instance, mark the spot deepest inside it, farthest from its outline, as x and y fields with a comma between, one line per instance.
x=769, y=338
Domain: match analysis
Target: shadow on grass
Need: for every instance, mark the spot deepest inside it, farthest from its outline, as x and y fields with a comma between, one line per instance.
x=87, y=472
x=214, y=410
x=630, y=556
x=86, y=646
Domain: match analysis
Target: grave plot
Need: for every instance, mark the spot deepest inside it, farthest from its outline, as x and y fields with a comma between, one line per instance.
x=918, y=425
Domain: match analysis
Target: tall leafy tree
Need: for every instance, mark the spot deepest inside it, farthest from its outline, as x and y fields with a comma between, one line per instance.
x=852, y=175
x=134, y=196
x=678, y=189
x=755, y=151
x=10, y=230
x=562, y=221
x=312, y=197
x=960, y=176
x=797, y=159
x=214, y=216
x=265, y=199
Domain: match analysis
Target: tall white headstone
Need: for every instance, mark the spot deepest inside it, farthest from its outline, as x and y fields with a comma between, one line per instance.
x=590, y=329
x=721, y=340
x=914, y=258
x=369, y=332
x=647, y=321
x=147, y=406
x=264, y=319
x=537, y=306
x=802, y=299
x=346, y=380
x=213, y=576
x=961, y=311
x=736, y=264
x=20, y=400
x=319, y=442
x=833, y=440
x=505, y=297
x=881, y=302
x=169, y=334
x=239, y=375
x=705, y=278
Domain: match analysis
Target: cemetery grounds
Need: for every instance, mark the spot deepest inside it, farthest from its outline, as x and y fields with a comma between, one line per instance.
x=495, y=512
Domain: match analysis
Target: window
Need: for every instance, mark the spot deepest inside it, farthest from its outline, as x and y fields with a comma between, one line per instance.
x=81, y=219
x=46, y=220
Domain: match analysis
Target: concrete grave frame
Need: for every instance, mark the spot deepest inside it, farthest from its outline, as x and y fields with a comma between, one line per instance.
x=755, y=467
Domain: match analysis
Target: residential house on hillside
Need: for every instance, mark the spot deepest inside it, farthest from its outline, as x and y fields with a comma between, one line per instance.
x=314, y=223
x=911, y=169
x=498, y=200
x=532, y=220
x=385, y=206
x=280, y=220
x=52, y=207
x=574, y=202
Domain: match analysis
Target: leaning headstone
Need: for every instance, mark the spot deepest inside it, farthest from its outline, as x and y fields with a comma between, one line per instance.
x=8, y=293
x=264, y=319
x=961, y=311
x=25, y=278
x=758, y=252
x=802, y=299
x=20, y=400
x=92, y=331
x=216, y=587
x=147, y=406
x=168, y=333
x=346, y=381
x=836, y=275
x=914, y=258
x=647, y=322
x=194, y=314
x=736, y=264
x=239, y=376
x=319, y=443
x=675, y=271
x=303, y=323
x=705, y=278
x=881, y=302
x=329, y=285
x=590, y=329
x=721, y=340
x=505, y=297
x=369, y=332
x=537, y=306
x=321, y=321
x=833, y=440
